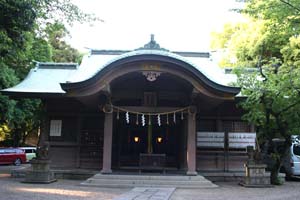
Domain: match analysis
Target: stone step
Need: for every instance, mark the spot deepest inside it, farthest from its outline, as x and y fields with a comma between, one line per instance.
x=100, y=180
x=151, y=182
x=110, y=185
x=150, y=177
x=149, y=193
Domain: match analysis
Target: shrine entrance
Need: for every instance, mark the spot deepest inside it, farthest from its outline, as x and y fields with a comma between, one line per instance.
x=130, y=141
x=149, y=121
x=150, y=103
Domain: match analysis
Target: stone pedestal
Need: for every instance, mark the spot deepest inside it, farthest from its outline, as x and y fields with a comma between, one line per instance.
x=39, y=172
x=256, y=176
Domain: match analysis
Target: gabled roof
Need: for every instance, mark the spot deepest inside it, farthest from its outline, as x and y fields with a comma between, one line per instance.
x=47, y=78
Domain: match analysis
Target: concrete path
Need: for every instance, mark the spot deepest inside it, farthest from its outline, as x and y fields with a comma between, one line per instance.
x=147, y=193
x=232, y=191
x=12, y=189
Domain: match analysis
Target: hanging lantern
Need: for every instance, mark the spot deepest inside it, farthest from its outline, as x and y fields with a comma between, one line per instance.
x=137, y=119
x=118, y=114
x=136, y=139
x=127, y=117
x=181, y=115
x=159, y=139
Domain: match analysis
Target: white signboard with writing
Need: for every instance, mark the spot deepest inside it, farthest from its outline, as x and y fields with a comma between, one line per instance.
x=55, y=128
x=210, y=139
x=241, y=140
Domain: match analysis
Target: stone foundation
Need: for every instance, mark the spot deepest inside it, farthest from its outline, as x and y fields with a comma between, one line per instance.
x=256, y=176
x=39, y=172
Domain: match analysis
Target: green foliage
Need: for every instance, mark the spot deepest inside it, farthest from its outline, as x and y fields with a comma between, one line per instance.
x=60, y=10
x=25, y=37
x=273, y=105
x=271, y=44
x=4, y=133
x=62, y=52
x=16, y=18
x=271, y=23
x=291, y=52
x=7, y=79
x=40, y=50
x=242, y=43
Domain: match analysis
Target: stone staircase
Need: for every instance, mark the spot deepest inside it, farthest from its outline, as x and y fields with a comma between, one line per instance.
x=177, y=181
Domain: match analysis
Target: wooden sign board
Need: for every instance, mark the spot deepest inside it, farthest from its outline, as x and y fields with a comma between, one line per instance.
x=55, y=128
x=241, y=140
x=210, y=139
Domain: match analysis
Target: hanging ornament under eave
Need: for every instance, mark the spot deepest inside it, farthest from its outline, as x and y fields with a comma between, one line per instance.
x=137, y=119
x=174, y=118
x=151, y=75
x=118, y=114
x=149, y=121
x=127, y=117
x=158, y=120
x=167, y=119
x=181, y=115
x=143, y=120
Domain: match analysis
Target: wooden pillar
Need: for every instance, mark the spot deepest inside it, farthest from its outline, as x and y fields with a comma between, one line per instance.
x=107, y=146
x=79, y=121
x=150, y=147
x=191, y=142
x=226, y=151
x=219, y=125
x=252, y=128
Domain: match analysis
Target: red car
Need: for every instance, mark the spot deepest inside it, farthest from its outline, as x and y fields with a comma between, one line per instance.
x=12, y=156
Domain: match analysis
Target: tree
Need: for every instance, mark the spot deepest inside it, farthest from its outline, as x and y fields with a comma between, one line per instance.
x=271, y=45
x=241, y=43
x=273, y=105
x=269, y=26
x=61, y=51
x=23, y=40
x=7, y=79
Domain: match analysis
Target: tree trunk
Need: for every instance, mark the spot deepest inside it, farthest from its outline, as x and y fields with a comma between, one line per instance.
x=275, y=172
x=17, y=137
x=279, y=157
x=23, y=139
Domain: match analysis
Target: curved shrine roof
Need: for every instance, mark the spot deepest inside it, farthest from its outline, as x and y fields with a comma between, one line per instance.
x=94, y=63
x=46, y=78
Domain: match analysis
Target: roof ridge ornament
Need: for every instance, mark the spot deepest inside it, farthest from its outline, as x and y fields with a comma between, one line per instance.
x=152, y=45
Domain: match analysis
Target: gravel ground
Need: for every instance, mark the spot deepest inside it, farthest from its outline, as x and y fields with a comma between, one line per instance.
x=13, y=189
x=232, y=191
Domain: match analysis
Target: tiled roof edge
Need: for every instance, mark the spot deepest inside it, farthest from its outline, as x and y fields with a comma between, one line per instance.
x=51, y=65
x=120, y=52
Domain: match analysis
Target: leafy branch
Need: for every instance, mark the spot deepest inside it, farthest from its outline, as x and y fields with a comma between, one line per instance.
x=290, y=5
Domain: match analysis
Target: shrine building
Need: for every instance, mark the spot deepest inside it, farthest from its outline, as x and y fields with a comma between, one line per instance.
x=144, y=109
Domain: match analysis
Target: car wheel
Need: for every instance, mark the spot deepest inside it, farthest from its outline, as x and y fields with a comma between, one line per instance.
x=18, y=161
